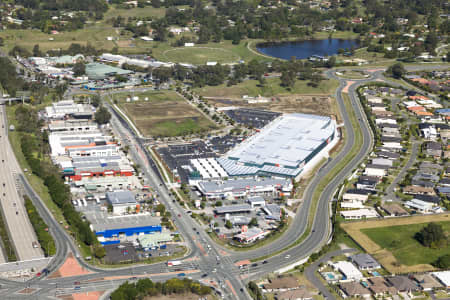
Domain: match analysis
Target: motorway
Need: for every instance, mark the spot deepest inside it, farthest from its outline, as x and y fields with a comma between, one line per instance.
x=13, y=210
x=218, y=262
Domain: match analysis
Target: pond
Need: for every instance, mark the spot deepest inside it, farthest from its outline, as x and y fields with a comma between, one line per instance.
x=307, y=48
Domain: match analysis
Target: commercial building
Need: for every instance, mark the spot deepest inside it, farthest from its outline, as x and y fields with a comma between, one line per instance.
x=241, y=188
x=251, y=235
x=285, y=147
x=58, y=110
x=60, y=142
x=154, y=240
x=232, y=209
x=97, y=151
x=122, y=201
x=78, y=126
x=256, y=201
x=98, y=71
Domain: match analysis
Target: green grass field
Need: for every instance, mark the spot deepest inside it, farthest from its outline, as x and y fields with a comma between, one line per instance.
x=400, y=241
x=271, y=88
x=165, y=114
x=200, y=55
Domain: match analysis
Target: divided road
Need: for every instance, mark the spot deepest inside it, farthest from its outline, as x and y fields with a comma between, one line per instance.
x=13, y=210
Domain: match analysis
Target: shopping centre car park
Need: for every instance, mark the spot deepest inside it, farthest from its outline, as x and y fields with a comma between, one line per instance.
x=254, y=118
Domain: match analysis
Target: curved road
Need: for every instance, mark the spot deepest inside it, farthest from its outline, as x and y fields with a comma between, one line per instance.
x=218, y=262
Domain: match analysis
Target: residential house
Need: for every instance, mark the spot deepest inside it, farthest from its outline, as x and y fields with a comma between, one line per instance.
x=348, y=270
x=379, y=287
x=443, y=277
x=281, y=284
x=419, y=205
x=364, y=261
x=433, y=149
x=358, y=214
x=418, y=190
x=367, y=182
x=427, y=198
x=382, y=162
x=301, y=293
x=427, y=282
x=444, y=190
x=376, y=170
x=394, y=210
x=354, y=289
x=403, y=284
x=388, y=155
x=423, y=183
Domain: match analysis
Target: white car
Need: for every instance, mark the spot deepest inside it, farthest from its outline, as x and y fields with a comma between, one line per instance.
x=287, y=256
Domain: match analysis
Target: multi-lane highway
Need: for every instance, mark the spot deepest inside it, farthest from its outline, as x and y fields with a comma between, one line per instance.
x=206, y=257
x=13, y=210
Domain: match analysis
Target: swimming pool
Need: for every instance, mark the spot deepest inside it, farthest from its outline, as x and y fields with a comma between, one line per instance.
x=330, y=276
x=375, y=273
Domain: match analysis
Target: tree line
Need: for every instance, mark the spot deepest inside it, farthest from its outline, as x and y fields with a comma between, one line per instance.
x=34, y=146
x=147, y=288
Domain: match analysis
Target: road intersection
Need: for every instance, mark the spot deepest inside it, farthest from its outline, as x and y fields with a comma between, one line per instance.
x=219, y=263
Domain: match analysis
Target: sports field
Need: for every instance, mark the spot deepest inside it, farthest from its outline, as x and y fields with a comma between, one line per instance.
x=165, y=114
x=391, y=241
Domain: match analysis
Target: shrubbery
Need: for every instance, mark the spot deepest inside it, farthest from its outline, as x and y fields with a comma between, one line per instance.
x=146, y=287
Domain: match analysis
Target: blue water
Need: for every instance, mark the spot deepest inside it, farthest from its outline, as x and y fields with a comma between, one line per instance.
x=330, y=276
x=375, y=273
x=304, y=49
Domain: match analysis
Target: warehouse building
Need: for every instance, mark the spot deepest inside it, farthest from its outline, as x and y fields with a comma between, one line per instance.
x=110, y=230
x=97, y=71
x=104, y=150
x=153, y=240
x=58, y=110
x=122, y=201
x=286, y=147
x=241, y=188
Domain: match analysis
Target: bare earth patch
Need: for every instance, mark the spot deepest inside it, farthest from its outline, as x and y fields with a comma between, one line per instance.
x=71, y=267
x=309, y=104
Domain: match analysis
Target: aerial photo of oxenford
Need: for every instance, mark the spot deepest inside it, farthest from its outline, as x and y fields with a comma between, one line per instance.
x=191, y=149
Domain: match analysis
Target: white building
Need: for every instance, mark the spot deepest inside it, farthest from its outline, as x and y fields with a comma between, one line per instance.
x=375, y=172
x=443, y=277
x=121, y=201
x=419, y=205
x=106, y=150
x=59, y=110
x=359, y=214
x=286, y=147
x=348, y=270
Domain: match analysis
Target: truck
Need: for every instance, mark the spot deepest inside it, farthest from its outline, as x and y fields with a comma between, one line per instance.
x=181, y=274
x=172, y=263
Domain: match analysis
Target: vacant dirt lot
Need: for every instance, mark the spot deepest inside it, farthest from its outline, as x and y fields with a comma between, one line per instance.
x=385, y=257
x=309, y=104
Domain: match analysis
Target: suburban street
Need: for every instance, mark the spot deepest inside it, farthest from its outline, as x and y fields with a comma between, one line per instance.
x=218, y=263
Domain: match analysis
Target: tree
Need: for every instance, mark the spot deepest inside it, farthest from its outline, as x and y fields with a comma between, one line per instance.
x=95, y=100
x=228, y=224
x=443, y=262
x=99, y=252
x=432, y=236
x=102, y=115
x=79, y=69
x=331, y=62
x=218, y=203
x=253, y=222
x=287, y=78
x=396, y=70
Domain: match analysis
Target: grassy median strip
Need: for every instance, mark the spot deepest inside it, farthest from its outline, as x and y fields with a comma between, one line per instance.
x=40, y=227
x=6, y=241
x=356, y=147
